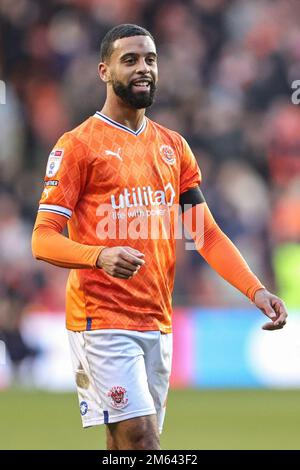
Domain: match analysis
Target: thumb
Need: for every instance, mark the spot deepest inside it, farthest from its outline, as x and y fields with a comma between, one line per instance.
x=269, y=312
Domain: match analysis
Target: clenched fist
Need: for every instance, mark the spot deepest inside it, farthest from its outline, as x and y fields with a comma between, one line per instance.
x=120, y=261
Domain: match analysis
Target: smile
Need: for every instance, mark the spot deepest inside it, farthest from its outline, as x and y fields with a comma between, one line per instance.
x=143, y=84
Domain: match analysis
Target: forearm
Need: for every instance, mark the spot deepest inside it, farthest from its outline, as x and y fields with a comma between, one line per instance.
x=48, y=244
x=221, y=254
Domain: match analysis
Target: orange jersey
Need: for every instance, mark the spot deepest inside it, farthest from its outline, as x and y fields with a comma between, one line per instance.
x=117, y=187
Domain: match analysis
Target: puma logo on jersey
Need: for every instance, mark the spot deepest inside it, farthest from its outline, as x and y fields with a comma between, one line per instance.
x=114, y=154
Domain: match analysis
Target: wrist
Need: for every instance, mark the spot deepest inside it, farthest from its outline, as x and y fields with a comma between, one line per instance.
x=98, y=261
x=254, y=292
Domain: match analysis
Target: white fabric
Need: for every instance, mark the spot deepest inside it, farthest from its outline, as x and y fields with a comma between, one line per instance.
x=56, y=209
x=139, y=363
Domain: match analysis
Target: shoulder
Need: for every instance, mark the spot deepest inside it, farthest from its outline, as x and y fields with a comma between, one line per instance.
x=81, y=137
x=167, y=134
x=73, y=145
x=83, y=132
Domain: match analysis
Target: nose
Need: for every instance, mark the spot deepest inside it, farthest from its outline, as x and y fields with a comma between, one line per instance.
x=142, y=66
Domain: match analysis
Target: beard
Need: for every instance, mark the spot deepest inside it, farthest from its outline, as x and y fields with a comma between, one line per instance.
x=138, y=100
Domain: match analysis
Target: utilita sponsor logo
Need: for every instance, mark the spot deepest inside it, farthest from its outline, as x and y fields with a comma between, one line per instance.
x=145, y=196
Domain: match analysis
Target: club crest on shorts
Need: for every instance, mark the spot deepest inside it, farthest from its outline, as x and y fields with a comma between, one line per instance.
x=168, y=154
x=118, y=396
x=54, y=162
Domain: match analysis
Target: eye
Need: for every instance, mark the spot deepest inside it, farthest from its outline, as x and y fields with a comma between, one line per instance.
x=151, y=60
x=130, y=61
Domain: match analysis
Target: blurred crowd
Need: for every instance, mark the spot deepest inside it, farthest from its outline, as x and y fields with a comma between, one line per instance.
x=225, y=74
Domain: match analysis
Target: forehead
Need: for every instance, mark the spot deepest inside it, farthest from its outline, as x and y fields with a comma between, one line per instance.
x=135, y=44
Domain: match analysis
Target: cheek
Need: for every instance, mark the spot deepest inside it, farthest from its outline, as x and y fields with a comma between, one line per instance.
x=122, y=76
x=155, y=74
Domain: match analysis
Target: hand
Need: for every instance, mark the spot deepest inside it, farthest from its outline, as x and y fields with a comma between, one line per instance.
x=273, y=307
x=120, y=261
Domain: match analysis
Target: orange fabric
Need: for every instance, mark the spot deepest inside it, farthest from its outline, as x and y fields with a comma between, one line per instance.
x=220, y=253
x=113, y=184
x=48, y=244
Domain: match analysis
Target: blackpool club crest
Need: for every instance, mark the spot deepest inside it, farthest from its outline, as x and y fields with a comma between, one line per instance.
x=168, y=154
x=118, y=397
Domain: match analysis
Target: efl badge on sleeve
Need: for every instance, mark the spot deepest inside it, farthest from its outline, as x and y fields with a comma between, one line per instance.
x=54, y=162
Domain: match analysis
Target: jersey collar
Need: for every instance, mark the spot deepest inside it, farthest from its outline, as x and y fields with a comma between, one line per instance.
x=116, y=124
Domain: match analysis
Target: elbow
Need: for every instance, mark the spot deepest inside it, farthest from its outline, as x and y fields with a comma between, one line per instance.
x=42, y=236
x=212, y=236
x=35, y=245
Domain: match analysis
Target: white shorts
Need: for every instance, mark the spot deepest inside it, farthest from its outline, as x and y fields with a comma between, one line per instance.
x=121, y=374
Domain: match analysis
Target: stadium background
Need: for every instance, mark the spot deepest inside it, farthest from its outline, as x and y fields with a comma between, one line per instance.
x=225, y=73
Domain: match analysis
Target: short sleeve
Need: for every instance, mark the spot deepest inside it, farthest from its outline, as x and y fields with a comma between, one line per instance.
x=65, y=176
x=190, y=174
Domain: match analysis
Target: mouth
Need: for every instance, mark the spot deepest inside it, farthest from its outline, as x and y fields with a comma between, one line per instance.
x=141, y=84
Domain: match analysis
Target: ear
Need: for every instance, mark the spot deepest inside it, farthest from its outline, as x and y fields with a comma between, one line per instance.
x=104, y=72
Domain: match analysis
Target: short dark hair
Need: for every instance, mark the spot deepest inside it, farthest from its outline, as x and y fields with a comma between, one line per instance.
x=119, y=32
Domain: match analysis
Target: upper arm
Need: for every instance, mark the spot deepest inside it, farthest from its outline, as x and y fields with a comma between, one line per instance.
x=50, y=220
x=65, y=177
x=191, y=198
x=190, y=174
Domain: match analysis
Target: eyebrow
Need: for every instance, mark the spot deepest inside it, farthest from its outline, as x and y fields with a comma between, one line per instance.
x=135, y=54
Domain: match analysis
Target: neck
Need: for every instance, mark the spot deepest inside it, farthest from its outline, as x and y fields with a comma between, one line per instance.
x=117, y=110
